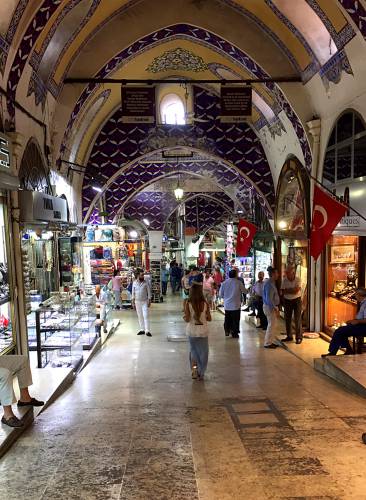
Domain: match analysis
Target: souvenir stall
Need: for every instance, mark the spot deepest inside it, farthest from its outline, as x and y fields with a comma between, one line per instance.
x=292, y=226
x=246, y=269
x=263, y=253
x=8, y=182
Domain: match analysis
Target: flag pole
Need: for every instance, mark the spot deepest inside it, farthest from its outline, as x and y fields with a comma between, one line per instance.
x=335, y=196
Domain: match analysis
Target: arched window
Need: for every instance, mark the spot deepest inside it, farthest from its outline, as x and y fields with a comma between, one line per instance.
x=172, y=110
x=345, y=156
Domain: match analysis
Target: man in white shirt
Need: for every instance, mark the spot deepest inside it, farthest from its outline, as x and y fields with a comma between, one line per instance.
x=141, y=301
x=291, y=291
x=231, y=291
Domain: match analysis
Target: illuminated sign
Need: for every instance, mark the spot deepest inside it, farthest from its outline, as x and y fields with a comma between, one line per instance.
x=5, y=152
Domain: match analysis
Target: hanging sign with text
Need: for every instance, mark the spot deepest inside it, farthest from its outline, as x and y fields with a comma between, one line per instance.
x=236, y=103
x=138, y=104
x=5, y=152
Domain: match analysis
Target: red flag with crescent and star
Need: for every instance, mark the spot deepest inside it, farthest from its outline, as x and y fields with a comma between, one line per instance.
x=246, y=233
x=327, y=212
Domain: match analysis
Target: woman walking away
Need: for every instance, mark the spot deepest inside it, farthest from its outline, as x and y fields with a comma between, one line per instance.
x=196, y=314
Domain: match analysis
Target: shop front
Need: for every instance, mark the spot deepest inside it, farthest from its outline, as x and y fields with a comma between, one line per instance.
x=345, y=260
x=8, y=328
x=292, y=226
x=263, y=253
x=52, y=297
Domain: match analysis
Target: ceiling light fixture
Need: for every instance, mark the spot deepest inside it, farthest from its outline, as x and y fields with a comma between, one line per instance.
x=178, y=193
x=97, y=188
x=133, y=234
x=146, y=222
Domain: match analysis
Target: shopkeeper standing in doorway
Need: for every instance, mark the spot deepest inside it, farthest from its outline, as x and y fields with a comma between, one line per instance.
x=291, y=290
x=141, y=301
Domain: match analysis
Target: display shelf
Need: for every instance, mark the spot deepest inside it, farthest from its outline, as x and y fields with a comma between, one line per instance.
x=155, y=271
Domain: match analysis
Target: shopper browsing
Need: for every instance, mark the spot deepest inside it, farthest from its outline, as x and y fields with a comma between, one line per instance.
x=9, y=366
x=271, y=301
x=116, y=287
x=197, y=314
x=208, y=287
x=141, y=301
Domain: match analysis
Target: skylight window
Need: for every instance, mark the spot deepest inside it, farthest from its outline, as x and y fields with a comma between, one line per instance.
x=172, y=110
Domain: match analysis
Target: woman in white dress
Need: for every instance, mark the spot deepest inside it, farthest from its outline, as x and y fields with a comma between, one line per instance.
x=197, y=314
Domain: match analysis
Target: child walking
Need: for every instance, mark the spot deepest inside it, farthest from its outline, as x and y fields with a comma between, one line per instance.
x=197, y=314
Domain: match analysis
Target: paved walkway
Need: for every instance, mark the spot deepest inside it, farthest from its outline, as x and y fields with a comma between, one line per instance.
x=134, y=425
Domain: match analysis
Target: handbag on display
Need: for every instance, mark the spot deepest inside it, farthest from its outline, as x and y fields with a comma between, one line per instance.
x=90, y=235
x=106, y=235
x=107, y=253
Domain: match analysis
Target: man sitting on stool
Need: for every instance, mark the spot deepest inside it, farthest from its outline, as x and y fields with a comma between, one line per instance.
x=354, y=328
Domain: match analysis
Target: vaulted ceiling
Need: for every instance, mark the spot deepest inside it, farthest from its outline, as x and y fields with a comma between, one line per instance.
x=42, y=42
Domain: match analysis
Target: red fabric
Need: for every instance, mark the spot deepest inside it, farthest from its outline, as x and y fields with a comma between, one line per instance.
x=246, y=233
x=327, y=212
x=201, y=259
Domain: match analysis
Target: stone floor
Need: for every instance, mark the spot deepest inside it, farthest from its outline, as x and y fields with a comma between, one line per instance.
x=263, y=425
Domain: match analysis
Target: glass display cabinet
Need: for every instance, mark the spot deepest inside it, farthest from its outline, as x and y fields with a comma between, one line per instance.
x=86, y=325
x=70, y=260
x=58, y=340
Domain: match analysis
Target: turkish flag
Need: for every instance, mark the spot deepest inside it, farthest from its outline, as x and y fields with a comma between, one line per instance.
x=327, y=212
x=246, y=233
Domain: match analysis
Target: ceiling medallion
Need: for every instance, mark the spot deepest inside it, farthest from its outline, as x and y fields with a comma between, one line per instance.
x=178, y=60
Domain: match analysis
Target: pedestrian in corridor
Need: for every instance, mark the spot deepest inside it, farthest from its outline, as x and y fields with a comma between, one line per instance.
x=271, y=301
x=291, y=290
x=231, y=291
x=141, y=301
x=197, y=314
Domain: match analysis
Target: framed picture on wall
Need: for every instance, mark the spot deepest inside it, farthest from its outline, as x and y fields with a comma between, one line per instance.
x=342, y=254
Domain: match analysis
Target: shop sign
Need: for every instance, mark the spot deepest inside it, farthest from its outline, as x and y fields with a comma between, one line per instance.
x=36, y=206
x=236, y=103
x=138, y=104
x=5, y=152
x=355, y=196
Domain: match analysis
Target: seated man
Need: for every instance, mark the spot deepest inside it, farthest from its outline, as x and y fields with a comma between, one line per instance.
x=355, y=327
x=9, y=366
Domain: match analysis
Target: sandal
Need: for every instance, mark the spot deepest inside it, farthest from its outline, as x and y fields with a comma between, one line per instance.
x=194, y=372
x=32, y=402
x=12, y=422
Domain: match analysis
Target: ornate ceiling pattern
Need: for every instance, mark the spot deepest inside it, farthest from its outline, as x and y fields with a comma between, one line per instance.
x=158, y=207
x=210, y=213
x=206, y=38
x=119, y=144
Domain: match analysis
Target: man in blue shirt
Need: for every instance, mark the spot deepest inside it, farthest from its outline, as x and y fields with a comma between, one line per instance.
x=271, y=301
x=231, y=290
x=354, y=327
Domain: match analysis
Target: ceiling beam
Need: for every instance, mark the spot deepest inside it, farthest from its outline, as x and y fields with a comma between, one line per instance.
x=122, y=81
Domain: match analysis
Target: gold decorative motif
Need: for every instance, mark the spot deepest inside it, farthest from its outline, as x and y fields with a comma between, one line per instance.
x=178, y=60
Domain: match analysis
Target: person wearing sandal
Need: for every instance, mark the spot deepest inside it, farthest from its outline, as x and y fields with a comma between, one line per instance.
x=9, y=366
x=196, y=314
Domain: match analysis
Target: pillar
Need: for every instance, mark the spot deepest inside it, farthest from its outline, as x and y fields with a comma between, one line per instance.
x=315, y=295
